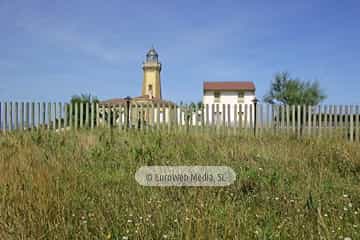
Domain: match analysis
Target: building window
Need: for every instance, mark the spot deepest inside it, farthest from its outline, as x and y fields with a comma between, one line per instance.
x=216, y=97
x=150, y=90
x=240, y=97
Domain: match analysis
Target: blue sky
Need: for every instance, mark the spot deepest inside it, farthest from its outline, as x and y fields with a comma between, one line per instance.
x=51, y=50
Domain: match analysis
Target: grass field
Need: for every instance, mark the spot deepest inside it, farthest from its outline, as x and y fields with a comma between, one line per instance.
x=81, y=185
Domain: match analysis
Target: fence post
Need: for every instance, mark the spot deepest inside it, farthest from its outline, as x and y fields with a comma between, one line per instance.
x=146, y=116
x=299, y=120
x=346, y=121
x=43, y=114
x=351, y=123
x=120, y=109
x=251, y=117
x=128, y=100
x=92, y=114
x=293, y=123
x=16, y=115
x=153, y=116
x=97, y=114
x=66, y=114
x=273, y=118
x=71, y=116
x=60, y=116
x=246, y=114
x=10, y=116
x=357, y=120
x=38, y=115
x=282, y=117
x=76, y=115
x=81, y=116
x=27, y=120
x=260, y=119
x=55, y=115
x=5, y=116
x=319, y=119
x=287, y=119
x=87, y=123
x=228, y=116
x=255, y=101
x=309, y=120
x=217, y=117
x=326, y=115
x=235, y=118
x=331, y=119
x=1, y=118
x=109, y=110
x=213, y=116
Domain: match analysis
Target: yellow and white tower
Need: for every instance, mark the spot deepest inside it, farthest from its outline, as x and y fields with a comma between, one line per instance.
x=151, y=86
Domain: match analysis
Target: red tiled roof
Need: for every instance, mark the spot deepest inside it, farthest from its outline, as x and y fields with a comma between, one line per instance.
x=139, y=99
x=229, y=86
x=113, y=101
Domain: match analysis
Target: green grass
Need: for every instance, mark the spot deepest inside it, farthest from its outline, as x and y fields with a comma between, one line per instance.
x=81, y=185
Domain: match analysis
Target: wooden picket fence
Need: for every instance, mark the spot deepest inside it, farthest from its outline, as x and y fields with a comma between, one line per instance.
x=322, y=120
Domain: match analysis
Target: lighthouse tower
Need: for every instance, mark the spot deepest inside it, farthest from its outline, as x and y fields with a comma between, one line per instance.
x=151, y=86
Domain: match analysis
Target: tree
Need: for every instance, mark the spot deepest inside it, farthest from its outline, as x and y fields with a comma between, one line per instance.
x=82, y=98
x=289, y=91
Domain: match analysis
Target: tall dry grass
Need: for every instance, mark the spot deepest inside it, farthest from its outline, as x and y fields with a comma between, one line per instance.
x=81, y=185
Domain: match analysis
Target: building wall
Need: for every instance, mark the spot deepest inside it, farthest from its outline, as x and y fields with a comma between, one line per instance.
x=231, y=98
x=228, y=97
x=152, y=76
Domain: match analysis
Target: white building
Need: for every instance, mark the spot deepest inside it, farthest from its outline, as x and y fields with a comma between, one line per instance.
x=220, y=96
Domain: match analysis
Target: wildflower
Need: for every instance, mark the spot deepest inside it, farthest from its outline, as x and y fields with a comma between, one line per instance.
x=276, y=198
x=125, y=238
x=165, y=236
x=325, y=215
x=355, y=225
x=356, y=212
x=350, y=205
x=129, y=221
x=345, y=208
x=345, y=195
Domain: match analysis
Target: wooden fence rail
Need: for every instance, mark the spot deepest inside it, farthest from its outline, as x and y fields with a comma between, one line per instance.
x=300, y=120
